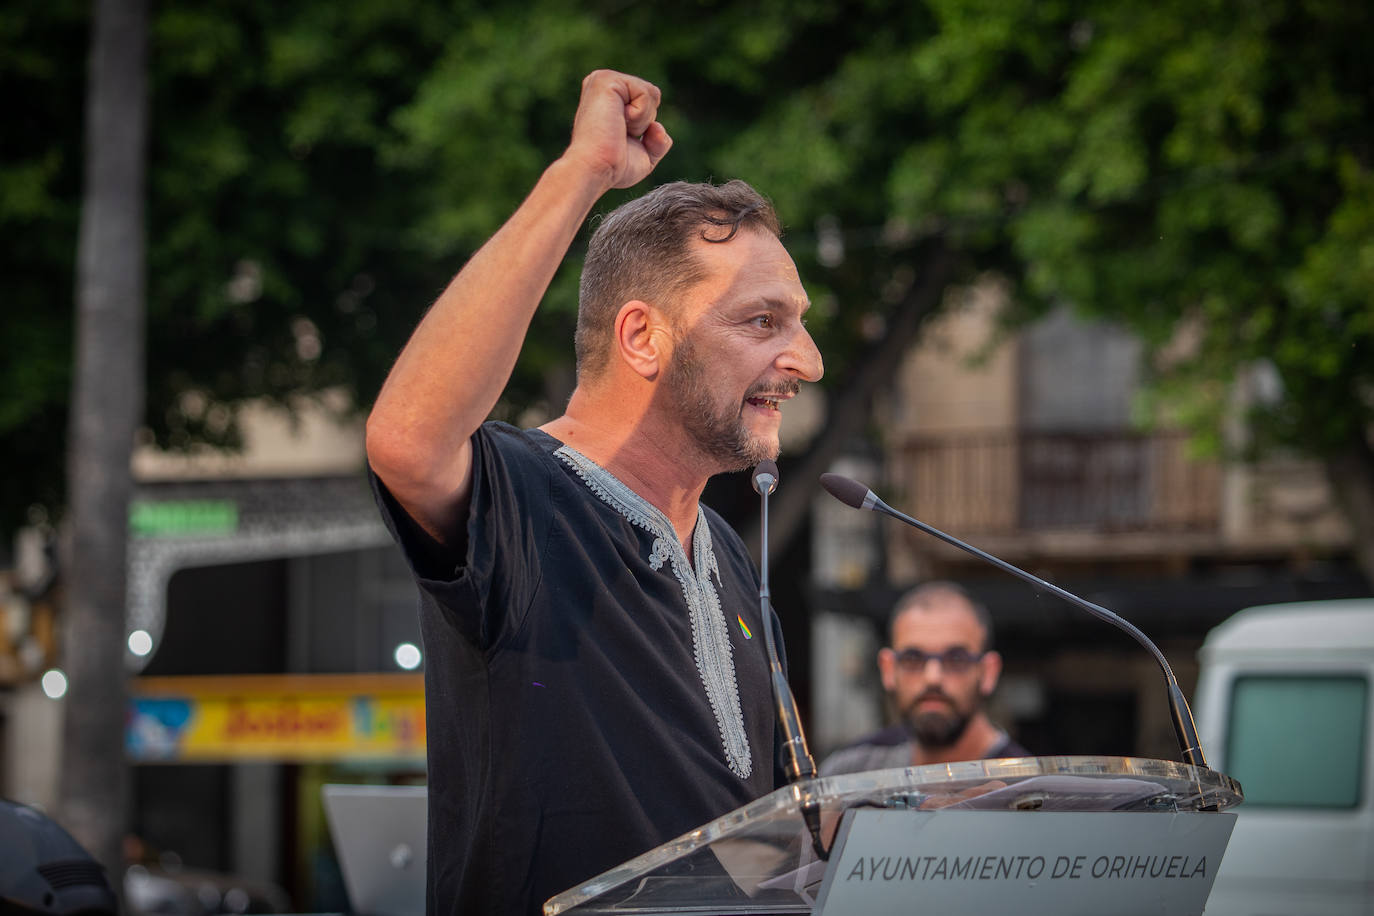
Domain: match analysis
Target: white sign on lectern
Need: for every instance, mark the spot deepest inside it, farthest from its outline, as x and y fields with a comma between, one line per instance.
x=1038, y=863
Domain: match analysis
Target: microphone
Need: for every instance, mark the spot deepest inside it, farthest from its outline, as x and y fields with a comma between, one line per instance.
x=797, y=759
x=852, y=493
x=765, y=478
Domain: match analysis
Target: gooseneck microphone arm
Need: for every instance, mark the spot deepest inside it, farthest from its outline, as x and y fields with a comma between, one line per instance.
x=797, y=760
x=852, y=493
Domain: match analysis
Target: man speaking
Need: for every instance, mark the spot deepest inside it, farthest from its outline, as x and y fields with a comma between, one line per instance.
x=593, y=687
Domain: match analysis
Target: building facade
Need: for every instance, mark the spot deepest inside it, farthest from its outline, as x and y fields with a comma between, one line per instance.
x=1029, y=448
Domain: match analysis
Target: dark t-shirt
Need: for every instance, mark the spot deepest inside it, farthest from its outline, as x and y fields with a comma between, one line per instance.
x=590, y=693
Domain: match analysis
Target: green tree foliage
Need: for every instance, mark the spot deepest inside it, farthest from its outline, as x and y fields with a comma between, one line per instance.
x=319, y=170
x=43, y=80
x=1151, y=163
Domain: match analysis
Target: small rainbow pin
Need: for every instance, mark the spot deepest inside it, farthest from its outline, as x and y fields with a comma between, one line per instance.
x=744, y=627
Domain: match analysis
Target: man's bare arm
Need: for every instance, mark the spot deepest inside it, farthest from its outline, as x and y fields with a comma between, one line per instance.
x=451, y=372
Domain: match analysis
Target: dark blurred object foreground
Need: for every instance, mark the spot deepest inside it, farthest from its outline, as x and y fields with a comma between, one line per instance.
x=44, y=871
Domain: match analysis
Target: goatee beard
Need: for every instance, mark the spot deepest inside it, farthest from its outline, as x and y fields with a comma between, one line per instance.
x=718, y=434
x=936, y=729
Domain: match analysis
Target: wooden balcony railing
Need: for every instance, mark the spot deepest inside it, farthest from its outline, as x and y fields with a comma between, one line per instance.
x=1014, y=482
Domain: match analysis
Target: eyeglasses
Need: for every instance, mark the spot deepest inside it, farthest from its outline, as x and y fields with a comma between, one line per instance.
x=954, y=661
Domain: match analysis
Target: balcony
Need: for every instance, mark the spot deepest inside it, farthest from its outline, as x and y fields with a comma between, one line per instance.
x=1066, y=492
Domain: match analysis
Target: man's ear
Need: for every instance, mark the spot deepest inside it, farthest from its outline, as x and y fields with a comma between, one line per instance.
x=642, y=338
x=991, y=670
x=887, y=669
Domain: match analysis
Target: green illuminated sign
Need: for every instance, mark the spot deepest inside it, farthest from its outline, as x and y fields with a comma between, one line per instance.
x=183, y=518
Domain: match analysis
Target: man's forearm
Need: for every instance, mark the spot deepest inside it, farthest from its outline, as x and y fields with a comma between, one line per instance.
x=458, y=360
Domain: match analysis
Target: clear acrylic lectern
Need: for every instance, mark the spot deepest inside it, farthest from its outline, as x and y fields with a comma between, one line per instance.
x=762, y=859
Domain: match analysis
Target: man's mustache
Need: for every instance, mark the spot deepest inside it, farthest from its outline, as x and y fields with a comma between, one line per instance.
x=930, y=694
x=783, y=386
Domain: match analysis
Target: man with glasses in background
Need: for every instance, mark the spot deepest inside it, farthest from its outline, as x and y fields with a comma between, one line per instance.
x=938, y=671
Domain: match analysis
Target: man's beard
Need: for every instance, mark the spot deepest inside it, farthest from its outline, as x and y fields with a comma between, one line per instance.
x=718, y=432
x=936, y=728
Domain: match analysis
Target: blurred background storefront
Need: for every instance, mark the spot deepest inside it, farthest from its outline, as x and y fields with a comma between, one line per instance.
x=273, y=647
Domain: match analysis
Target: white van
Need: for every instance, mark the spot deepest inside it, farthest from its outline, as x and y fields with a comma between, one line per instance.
x=1283, y=706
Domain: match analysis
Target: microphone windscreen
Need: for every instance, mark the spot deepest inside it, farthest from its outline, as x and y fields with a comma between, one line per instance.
x=849, y=492
x=766, y=466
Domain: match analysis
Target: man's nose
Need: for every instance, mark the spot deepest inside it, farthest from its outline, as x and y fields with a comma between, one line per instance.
x=939, y=668
x=802, y=358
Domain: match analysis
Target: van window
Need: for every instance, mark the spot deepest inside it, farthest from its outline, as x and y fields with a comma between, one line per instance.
x=1298, y=741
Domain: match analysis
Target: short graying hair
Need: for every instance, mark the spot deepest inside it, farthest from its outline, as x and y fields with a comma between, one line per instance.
x=642, y=250
x=931, y=592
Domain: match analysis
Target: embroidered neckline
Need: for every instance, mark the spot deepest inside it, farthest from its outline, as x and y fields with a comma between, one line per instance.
x=710, y=632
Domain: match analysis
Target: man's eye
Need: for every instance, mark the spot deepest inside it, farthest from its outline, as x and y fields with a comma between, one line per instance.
x=766, y=321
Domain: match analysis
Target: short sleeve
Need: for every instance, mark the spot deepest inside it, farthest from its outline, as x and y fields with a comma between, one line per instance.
x=486, y=591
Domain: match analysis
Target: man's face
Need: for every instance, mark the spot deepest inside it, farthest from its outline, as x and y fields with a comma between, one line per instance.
x=740, y=350
x=938, y=697
x=716, y=426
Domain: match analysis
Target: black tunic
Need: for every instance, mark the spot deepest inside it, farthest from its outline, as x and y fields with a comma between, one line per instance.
x=590, y=694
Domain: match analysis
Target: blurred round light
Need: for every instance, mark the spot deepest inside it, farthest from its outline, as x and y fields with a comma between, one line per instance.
x=236, y=900
x=408, y=656
x=54, y=683
x=140, y=642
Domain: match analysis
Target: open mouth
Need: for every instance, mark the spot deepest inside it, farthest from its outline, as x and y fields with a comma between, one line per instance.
x=764, y=399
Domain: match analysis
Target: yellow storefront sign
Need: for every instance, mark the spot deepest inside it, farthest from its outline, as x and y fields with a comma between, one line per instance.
x=290, y=718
